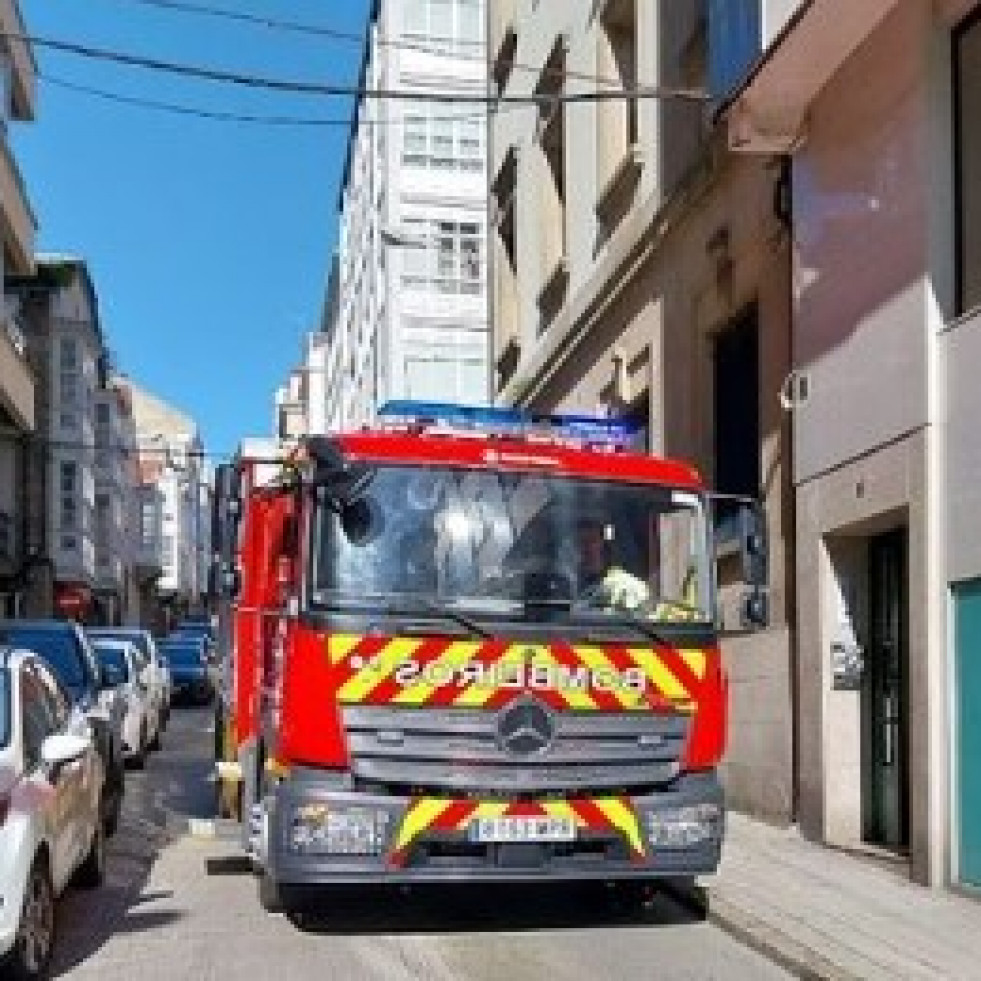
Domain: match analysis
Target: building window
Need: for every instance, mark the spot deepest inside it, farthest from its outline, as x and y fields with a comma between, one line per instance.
x=455, y=23
x=69, y=477
x=69, y=543
x=68, y=512
x=967, y=96
x=449, y=258
x=69, y=353
x=443, y=143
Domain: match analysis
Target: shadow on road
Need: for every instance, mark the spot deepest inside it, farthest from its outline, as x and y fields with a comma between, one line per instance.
x=157, y=802
x=487, y=909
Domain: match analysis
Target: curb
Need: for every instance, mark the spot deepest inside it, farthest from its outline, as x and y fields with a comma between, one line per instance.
x=763, y=937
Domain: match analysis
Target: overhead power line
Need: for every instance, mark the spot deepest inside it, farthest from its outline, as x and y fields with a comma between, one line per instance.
x=402, y=44
x=301, y=87
x=215, y=115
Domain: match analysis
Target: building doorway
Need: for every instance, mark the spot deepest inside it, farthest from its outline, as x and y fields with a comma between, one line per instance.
x=885, y=697
x=967, y=746
x=736, y=420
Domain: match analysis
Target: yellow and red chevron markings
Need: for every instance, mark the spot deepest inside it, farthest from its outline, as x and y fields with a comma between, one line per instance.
x=435, y=671
x=447, y=815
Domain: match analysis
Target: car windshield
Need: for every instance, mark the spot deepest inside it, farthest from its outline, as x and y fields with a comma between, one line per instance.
x=58, y=647
x=136, y=637
x=501, y=542
x=184, y=655
x=112, y=656
x=4, y=707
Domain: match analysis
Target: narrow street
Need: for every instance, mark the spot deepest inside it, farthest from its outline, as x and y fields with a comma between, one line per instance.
x=175, y=906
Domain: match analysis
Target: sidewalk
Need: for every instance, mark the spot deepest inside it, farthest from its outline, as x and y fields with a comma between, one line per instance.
x=822, y=913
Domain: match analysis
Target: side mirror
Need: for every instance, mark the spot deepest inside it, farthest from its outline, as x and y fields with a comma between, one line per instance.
x=753, y=546
x=62, y=748
x=227, y=581
x=755, y=612
x=110, y=676
x=340, y=480
x=361, y=521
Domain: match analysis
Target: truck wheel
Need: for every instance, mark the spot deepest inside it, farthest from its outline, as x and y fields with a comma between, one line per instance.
x=34, y=942
x=269, y=897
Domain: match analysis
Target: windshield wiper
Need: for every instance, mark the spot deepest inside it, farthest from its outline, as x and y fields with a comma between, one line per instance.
x=437, y=609
x=619, y=617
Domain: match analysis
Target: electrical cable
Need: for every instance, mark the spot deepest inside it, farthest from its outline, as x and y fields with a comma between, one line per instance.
x=301, y=87
x=205, y=10
x=180, y=109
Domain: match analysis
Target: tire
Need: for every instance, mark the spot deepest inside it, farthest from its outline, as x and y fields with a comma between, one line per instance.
x=114, y=801
x=269, y=896
x=92, y=872
x=30, y=956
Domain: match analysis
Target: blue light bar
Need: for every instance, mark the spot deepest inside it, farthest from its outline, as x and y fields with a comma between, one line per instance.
x=518, y=421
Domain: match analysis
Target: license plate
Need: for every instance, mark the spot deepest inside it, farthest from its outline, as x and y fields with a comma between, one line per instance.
x=507, y=829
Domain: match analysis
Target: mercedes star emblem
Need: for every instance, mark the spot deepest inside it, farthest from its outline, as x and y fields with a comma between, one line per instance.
x=525, y=728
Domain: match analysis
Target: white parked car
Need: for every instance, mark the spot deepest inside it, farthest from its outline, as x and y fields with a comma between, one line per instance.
x=160, y=679
x=126, y=672
x=51, y=831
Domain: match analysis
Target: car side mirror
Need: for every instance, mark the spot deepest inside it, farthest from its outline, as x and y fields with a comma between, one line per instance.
x=62, y=748
x=110, y=676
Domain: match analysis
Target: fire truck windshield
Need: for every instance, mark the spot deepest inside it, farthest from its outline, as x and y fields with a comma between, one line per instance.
x=504, y=543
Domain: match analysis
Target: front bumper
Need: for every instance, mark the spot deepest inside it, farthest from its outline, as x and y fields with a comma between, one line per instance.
x=613, y=839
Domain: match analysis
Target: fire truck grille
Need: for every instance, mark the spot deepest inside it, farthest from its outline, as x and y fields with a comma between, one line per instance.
x=473, y=751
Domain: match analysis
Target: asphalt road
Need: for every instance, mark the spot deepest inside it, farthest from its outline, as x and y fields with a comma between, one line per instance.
x=178, y=905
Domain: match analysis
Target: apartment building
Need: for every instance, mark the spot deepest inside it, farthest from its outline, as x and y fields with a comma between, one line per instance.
x=116, y=482
x=412, y=317
x=18, y=80
x=301, y=402
x=171, y=459
x=66, y=351
x=876, y=104
x=639, y=268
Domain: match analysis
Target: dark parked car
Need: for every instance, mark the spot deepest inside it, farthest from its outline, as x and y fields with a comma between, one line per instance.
x=65, y=648
x=190, y=668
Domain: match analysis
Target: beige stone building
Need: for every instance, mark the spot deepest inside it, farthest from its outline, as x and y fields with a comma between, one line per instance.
x=783, y=286
x=638, y=267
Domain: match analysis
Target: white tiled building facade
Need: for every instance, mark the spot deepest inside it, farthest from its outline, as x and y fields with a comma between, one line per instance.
x=411, y=320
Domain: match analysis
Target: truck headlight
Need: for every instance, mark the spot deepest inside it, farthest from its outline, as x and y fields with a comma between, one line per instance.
x=327, y=829
x=683, y=827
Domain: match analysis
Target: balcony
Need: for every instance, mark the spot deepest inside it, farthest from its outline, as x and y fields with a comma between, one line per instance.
x=19, y=225
x=16, y=380
x=767, y=113
x=23, y=68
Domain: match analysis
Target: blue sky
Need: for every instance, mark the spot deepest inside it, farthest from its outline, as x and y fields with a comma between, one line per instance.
x=208, y=242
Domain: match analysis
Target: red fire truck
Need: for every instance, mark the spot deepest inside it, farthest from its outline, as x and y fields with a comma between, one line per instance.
x=472, y=644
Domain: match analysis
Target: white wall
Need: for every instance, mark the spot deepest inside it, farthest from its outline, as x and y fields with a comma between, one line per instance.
x=961, y=357
x=861, y=218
